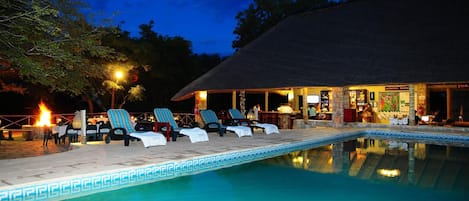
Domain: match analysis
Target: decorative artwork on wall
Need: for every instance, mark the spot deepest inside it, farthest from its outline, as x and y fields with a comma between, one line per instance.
x=353, y=99
x=389, y=101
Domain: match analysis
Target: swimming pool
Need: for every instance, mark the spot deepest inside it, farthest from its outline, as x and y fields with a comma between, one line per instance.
x=84, y=184
x=363, y=168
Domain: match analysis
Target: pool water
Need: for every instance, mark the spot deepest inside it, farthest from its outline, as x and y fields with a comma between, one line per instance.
x=348, y=170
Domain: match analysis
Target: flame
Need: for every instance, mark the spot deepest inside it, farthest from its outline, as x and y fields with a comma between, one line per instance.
x=45, y=116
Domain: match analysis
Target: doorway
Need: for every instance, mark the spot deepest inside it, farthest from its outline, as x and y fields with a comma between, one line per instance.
x=437, y=102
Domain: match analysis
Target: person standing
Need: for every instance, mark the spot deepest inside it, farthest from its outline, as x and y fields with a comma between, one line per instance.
x=256, y=109
x=367, y=116
x=417, y=118
x=312, y=112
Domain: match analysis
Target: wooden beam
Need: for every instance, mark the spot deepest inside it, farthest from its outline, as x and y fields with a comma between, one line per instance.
x=233, y=99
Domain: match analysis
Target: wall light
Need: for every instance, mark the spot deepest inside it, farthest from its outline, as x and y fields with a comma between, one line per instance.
x=203, y=95
x=290, y=96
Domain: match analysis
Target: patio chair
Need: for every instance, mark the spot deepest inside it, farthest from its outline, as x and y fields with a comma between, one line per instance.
x=92, y=132
x=103, y=128
x=213, y=124
x=123, y=128
x=59, y=133
x=195, y=134
x=72, y=133
x=238, y=118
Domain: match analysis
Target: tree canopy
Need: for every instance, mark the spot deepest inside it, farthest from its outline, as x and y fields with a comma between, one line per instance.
x=49, y=49
x=50, y=43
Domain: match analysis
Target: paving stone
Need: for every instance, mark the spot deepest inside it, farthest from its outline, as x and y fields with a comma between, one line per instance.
x=28, y=161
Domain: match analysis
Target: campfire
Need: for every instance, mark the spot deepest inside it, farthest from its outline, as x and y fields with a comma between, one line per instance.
x=44, y=117
x=42, y=125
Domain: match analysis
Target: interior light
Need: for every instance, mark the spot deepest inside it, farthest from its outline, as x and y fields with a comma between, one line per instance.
x=312, y=99
x=426, y=118
x=290, y=96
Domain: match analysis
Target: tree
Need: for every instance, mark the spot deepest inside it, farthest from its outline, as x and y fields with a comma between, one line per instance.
x=261, y=15
x=164, y=65
x=50, y=43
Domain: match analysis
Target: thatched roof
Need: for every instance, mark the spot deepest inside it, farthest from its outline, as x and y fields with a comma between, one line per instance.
x=361, y=42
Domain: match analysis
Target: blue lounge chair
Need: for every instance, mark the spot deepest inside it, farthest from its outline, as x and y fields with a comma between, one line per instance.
x=238, y=118
x=213, y=124
x=123, y=128
x=165, y=115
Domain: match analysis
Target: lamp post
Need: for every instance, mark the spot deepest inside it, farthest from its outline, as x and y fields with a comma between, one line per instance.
x=118, y=75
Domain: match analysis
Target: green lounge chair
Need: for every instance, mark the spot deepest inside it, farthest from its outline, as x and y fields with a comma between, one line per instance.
x=195, y=134
x=121, y=123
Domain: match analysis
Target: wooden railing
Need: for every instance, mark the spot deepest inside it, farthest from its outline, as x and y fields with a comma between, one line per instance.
x=17, y=121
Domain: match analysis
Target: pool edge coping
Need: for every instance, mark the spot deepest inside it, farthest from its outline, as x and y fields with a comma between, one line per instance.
x=63, y=187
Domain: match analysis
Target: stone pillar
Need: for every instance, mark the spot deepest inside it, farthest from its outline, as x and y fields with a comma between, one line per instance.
x=448, y=103
x=83, y=126
x=242, y=102
x=412, y=105
x=305, y=104
x=266, y=101
x=337, y=106
x=346, y=98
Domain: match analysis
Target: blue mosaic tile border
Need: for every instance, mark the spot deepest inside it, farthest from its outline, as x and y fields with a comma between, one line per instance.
x=88, y=184
x=448, y=138
x=82, y=185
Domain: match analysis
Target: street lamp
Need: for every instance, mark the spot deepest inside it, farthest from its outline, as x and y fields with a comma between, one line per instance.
x=118, y=75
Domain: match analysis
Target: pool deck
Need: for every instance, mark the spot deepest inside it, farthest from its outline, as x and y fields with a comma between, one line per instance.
x=95, y=157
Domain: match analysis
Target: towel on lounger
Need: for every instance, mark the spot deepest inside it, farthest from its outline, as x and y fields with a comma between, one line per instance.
x=268, y=128
x=150, y=138
x=195, y=134
x=240, y=130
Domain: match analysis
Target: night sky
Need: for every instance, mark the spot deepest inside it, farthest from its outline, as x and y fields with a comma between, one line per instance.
x=208, y=24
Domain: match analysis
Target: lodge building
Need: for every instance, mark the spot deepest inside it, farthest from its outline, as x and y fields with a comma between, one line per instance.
x=401, y=58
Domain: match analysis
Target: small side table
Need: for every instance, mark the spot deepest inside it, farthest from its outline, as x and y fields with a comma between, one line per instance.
x=159, y=125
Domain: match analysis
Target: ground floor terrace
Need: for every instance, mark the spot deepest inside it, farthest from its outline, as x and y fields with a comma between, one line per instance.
x=57, y=173
x=381, y=103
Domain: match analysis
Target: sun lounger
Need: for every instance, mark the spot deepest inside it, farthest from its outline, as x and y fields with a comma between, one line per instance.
x=237, y=118
x=121, y=122
x=195, y=134
x=213, y=124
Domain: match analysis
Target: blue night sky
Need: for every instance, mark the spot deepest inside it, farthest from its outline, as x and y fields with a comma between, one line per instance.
x=208, y=24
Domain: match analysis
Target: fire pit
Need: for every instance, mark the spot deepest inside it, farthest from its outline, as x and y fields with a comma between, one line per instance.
x=31, y=132
x=42, y=126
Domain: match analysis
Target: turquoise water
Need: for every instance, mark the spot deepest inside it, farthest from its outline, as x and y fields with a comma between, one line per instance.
x=325, y=173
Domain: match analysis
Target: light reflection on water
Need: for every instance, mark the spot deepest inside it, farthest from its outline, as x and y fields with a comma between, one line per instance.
x=403, y=162
x=359, y=169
